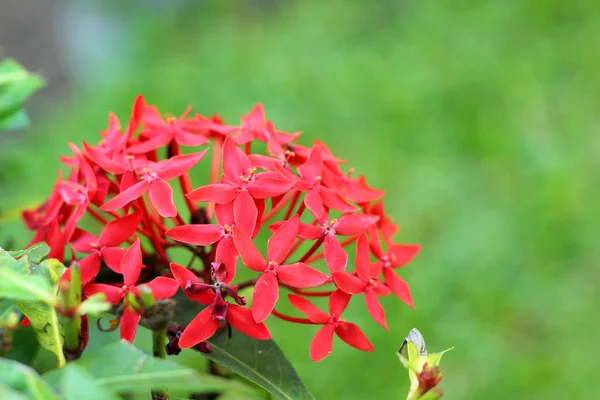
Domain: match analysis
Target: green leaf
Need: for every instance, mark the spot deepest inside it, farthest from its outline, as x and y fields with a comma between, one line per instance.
x=25, y=380
x=260, y=361
x=15, y=120
x=24, y=345
x=5, y=258
x=133, y=371
x=94, y=305
x=16, y=85
x=7, y=393
x=23, y=287
x=40, y=285
x=35, y=253
x=77, y=384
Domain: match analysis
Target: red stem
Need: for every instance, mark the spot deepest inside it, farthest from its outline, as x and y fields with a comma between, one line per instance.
x=293, y=319
x=154, y=238
x=184, y=180
x=344, y=244
x=313, y=294
x=288, y=213
x=312, y=249
x=214, y=172
x=277, y=208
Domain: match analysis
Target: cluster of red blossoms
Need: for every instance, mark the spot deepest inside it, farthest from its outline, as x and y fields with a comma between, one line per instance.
x=260, y=178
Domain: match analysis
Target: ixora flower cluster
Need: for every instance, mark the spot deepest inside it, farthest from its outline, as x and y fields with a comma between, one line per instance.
x=259, y=179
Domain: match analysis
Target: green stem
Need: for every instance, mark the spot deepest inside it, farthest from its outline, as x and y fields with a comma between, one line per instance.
x=159, y=350
x=71, y=299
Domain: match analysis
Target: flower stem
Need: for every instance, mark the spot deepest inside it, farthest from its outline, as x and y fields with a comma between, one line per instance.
x=159, y=346
x=71, y=298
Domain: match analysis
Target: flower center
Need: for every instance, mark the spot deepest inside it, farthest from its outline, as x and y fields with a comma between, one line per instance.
x=272, y=266
x=149, y=174
x=227, y=230
x=329, y=227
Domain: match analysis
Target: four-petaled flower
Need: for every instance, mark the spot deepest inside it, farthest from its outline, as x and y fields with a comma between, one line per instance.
x=153, y=178
x=266, y=290
x=206, y=323
x=322, y=344
x=367, y=281
x=130, y=268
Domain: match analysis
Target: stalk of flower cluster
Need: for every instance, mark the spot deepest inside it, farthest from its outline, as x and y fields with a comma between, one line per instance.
x=71, y=298
x=159, y=336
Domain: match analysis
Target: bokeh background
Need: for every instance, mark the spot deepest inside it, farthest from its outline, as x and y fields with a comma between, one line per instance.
x=481, y=119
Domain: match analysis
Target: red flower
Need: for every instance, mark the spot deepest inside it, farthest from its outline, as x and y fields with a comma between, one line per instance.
x=396, y=256
x=206, y=323
x=367, y=282
x=322, y=343
x=153, y=178
x=130, y=268
x=205, y=234
x=242, y=186
x=346, y=225
x=105, y=247
x=266, y=290
x=159, y=132
x=254, y=126
x=317, y=195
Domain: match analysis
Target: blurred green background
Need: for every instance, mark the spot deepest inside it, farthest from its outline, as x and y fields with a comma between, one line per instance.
x=479, y=118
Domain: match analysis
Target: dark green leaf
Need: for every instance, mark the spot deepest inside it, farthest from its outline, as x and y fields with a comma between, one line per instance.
x=25, y=380
x=260, y=361
x=132, y=370
x=24, y=346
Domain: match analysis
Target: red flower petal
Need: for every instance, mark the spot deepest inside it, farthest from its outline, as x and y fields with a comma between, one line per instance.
x=266, y=294
x=224, y=214
x=118, y=230
x=218, y=192
x=126, y=197
x=162, y=287
x=267, y=186
x=151, y=144
x=178, y=165
x=300, y=275
x=113, y=293
x=348, y=283
x=335, y=256
x=398, y=286
x=189, y=139
x=313, y=202
x=338, y=301
x=282, y=240
x=310, y=232
x=128, y=325
x=82, y=241
x=351, y=334
x=352, y=224
x=402, y=254
x=131, y=264
x=113, y=256
x=322, y=343
x=90, y=267
x=201, y=328
x=241, y=319
x=362, y=262
x=200, y=235
x=232, y=167
x=245, y=212
x=161, y=196
x=375, y=308
x=333, y=200
x=182, y=275
x=251, y=257
x=228, y=255
x=312, y=168
x=308, y=309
